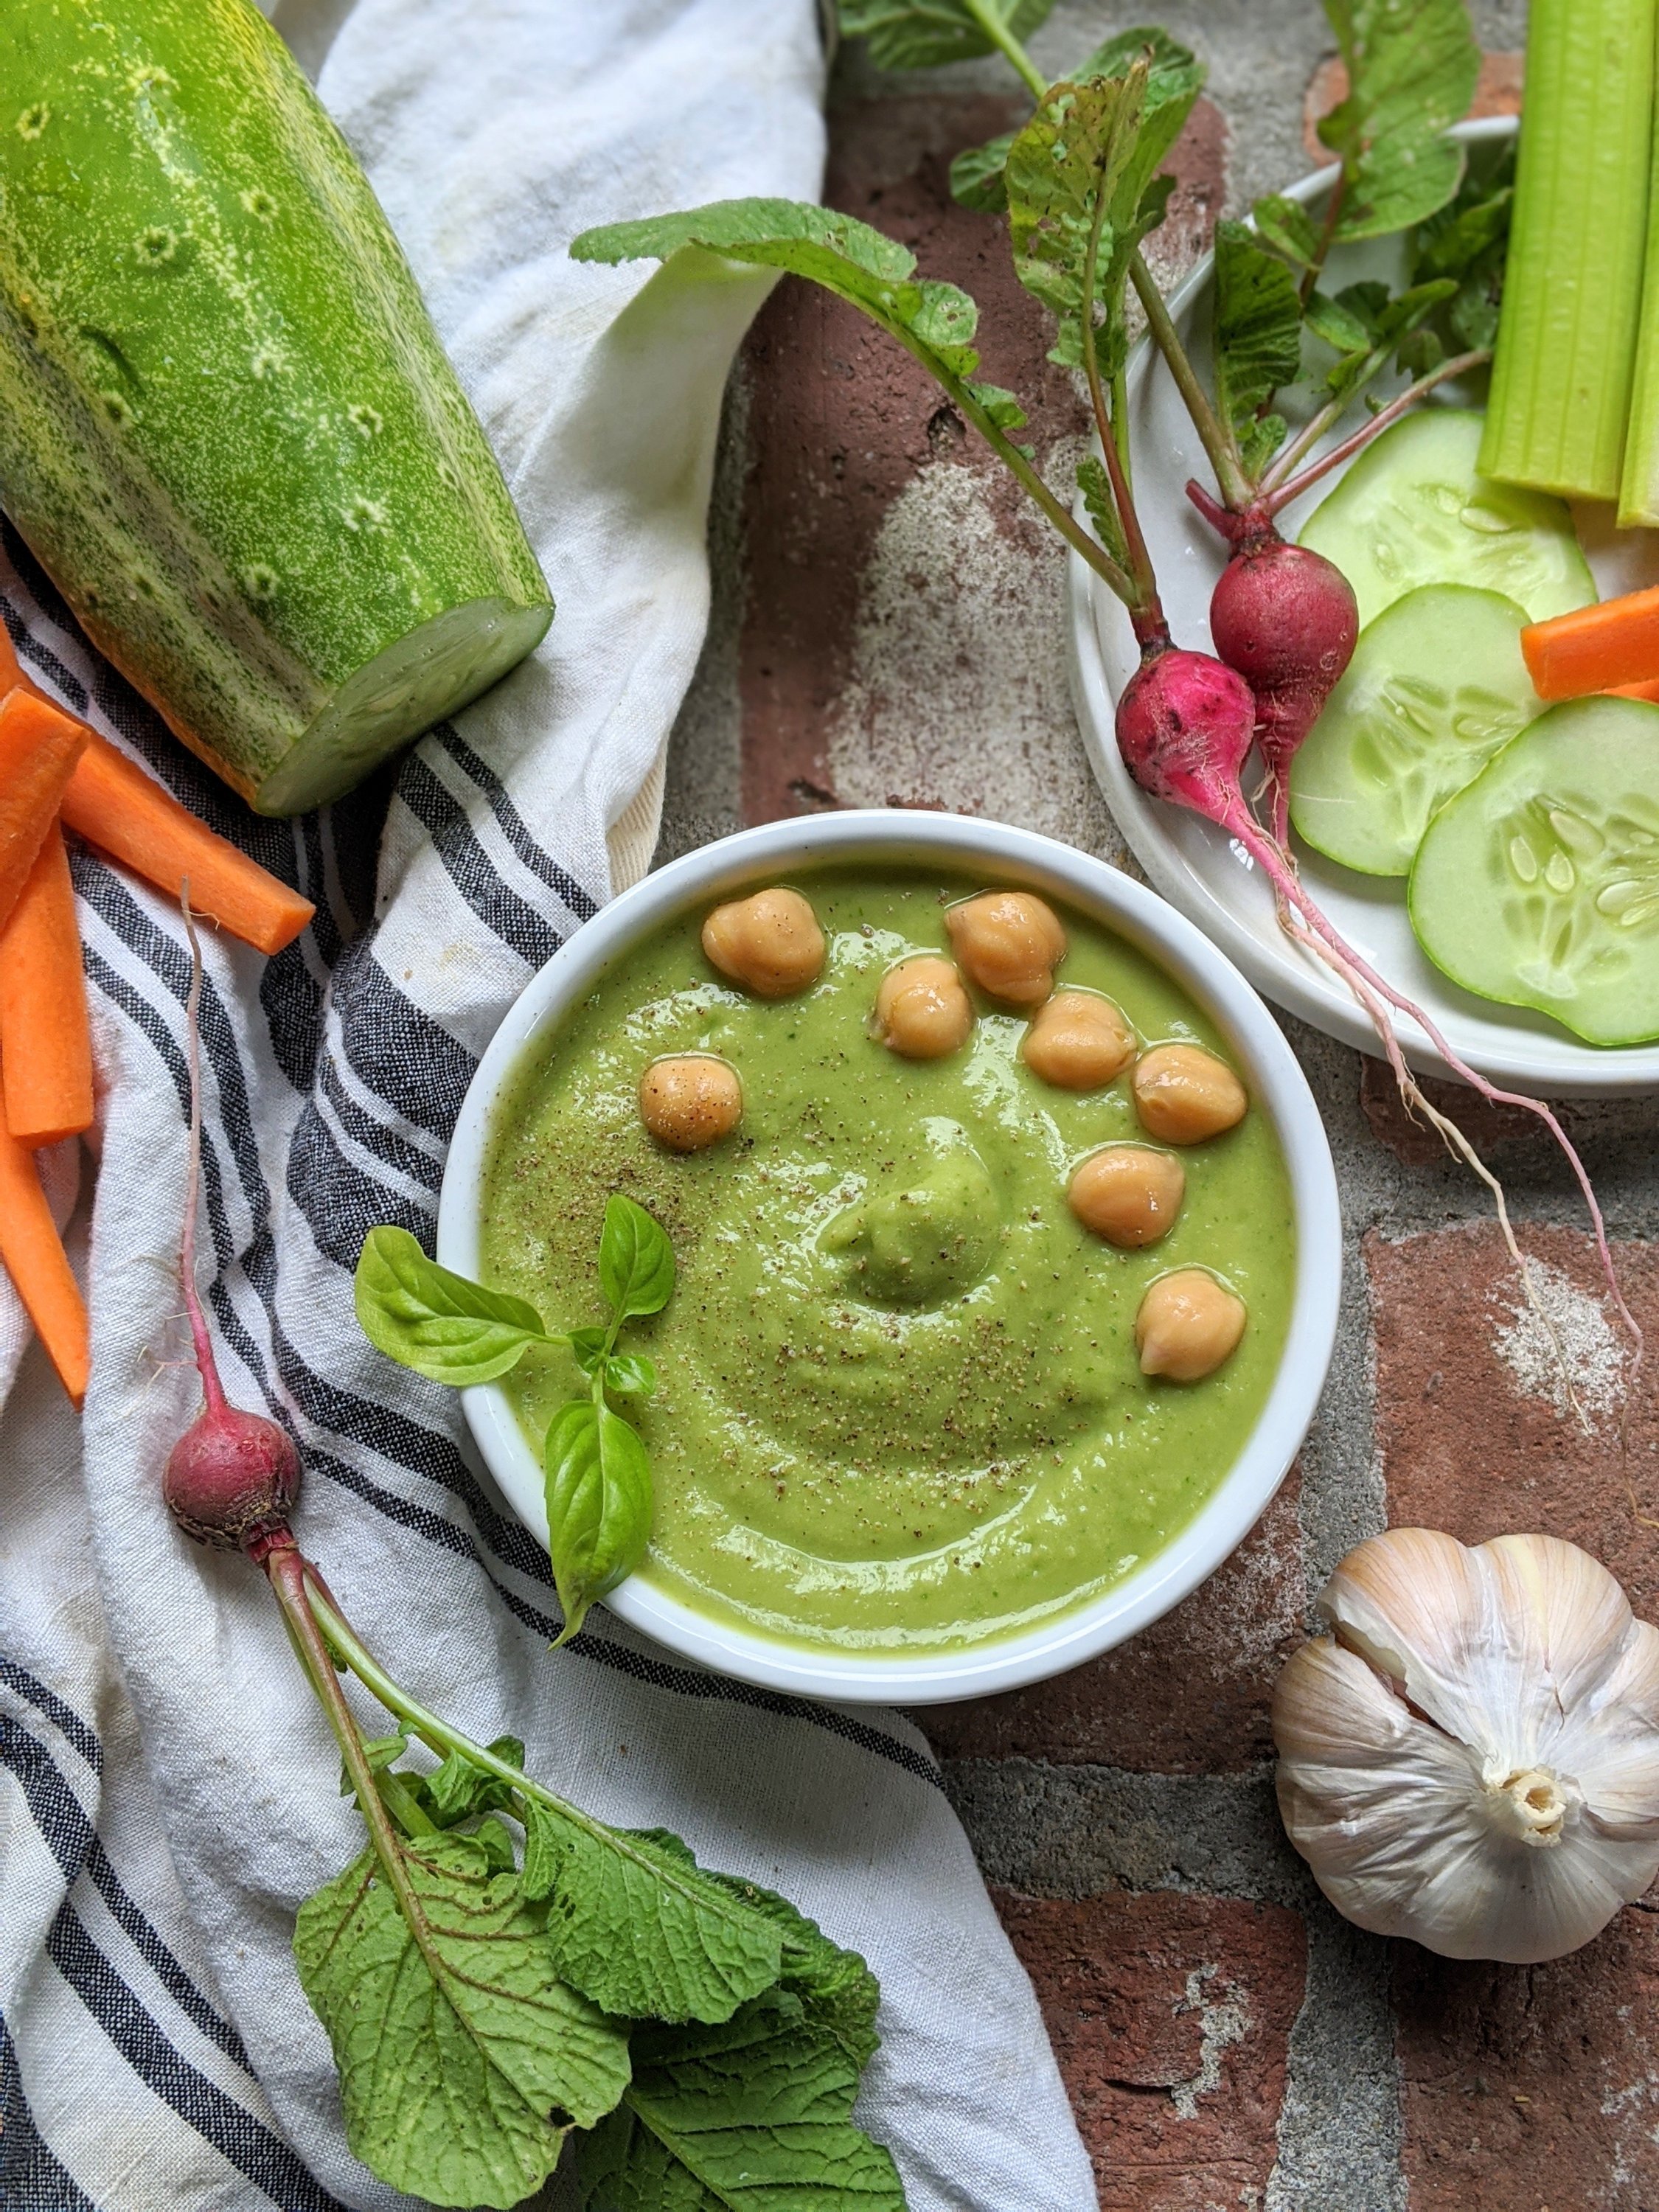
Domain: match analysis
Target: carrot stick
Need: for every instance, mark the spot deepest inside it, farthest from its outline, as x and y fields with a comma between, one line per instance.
x=35, y=1260
x=40, y=746
x=127, y=814
x=1647, y=690
x=45, y=1044
x=1595, y=648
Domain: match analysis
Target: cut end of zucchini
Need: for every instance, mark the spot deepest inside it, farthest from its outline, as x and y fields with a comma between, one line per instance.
x=1538, y=884
x=430, y=674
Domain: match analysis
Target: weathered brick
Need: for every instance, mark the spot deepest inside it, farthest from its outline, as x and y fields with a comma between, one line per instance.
x=1187, y=1696
x=1170, y=2017
x=1534, y=2088
x=1474, y=1434
x=841, y=421
x=1496, y=1132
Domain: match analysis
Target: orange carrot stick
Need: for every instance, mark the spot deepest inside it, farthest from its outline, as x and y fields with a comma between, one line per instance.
x=45, y=1044
x=1647, y=690
x=1595, y=648
x=35, y=1260
x=127, y=814
x=40, y=746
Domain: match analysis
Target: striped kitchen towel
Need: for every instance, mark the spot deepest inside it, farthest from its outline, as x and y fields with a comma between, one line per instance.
x=169, y=1794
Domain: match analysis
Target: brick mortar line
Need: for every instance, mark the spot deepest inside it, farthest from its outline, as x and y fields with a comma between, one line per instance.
x=1073, y=1831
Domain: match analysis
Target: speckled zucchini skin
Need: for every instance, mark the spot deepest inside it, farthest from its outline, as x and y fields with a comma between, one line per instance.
x=228, y=429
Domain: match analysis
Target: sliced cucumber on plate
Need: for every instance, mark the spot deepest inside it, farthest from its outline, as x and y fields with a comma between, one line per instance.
x=1436, y=687
x=1538, y=884
x=1414, y=510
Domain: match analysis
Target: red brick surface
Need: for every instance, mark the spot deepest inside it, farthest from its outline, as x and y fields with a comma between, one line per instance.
x=841, y=420
x=1534, y=2088
x=1496, y=1132
x=1189, y=1696
x=1170, y=2017
x=1465, y=1447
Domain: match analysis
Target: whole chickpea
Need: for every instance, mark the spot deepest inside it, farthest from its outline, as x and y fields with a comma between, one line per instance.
x=922, y=1012
x=771, y=944
x=1188, y=1324
x=1184, y=1094
x=1129, y=1193
x=691, y=1100
x=1079, y=1041
x=1007, y=943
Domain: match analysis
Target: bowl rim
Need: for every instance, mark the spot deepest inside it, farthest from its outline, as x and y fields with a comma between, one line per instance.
x=1030, y=860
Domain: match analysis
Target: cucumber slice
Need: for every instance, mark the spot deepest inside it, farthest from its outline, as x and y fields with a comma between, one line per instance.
x=1436, y=687
x=1413, y=510
x=1538, y=884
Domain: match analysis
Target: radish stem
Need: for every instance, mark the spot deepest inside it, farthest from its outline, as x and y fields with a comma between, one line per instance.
x=1274, y=492
x=1212, y=433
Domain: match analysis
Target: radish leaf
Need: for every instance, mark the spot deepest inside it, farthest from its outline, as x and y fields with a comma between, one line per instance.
x=977, y=180
x=756, y=2113
x=456, y=2044
x=1083, y=165
x=444, y=1326
x=1412, y=67
x=1258, y=341
x=635, y=1923
x=1094, y=484
x=1286, y=227
x=924, y=33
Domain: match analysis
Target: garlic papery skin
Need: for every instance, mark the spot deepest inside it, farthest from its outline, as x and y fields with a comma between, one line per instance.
x=1471, y=1758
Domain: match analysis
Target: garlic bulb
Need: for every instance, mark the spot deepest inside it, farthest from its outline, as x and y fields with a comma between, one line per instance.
x=1472, y=1759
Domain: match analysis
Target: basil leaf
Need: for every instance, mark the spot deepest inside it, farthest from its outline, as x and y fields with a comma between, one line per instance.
x=630, y=1375
x=598, y=1505
x=426, y=1317
x=1412, y=67
x=588, y=1346
x=455, y=2040
x=636, y=1923
x=637, y=1261
x=926, y=33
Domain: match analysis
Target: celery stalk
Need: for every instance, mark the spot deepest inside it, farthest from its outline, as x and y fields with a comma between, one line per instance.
x=1572, y=289
x=1638, y=489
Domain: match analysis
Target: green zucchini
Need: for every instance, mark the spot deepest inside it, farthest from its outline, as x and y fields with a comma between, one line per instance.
x=227, y=430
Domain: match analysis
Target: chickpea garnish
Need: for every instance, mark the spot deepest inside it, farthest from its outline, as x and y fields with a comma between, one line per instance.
x=691, y=1100
x=1184, y=1094
x=771, y=944
x=1188, y=1325
x=922, y=1012
x=1129, y=1193
x=1008, y=943
x=1078, y=1041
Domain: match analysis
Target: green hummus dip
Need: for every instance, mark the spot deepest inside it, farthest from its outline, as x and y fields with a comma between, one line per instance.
x=900, y=1404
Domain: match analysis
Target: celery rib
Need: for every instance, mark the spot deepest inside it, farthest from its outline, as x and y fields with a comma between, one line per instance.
x=1565, y=359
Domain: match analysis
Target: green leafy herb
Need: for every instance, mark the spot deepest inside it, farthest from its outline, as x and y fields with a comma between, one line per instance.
x=1468, y=241
x=1258, y=341
x=635, y=1922
x=923, y=34
x=976, y=175
x=443, y=1999
x=637, y=1261
x=1082, y=193
x=757, y=2112
x=1412, y=67
x=1285, y=226
x=598, y=1502
x=435, y=1322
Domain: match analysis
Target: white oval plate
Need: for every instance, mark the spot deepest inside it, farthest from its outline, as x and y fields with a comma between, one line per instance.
x=1195, y=867
x=1003, y=855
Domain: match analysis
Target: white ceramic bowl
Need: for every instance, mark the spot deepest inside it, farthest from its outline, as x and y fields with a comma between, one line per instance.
x=998, y=854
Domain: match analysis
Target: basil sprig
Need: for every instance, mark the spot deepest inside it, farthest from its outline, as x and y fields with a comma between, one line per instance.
x=455, y=1331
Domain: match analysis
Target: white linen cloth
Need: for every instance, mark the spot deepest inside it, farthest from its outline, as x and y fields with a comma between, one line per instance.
x=169, y=1793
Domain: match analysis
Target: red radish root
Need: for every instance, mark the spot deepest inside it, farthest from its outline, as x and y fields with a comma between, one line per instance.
x=233, y=1477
